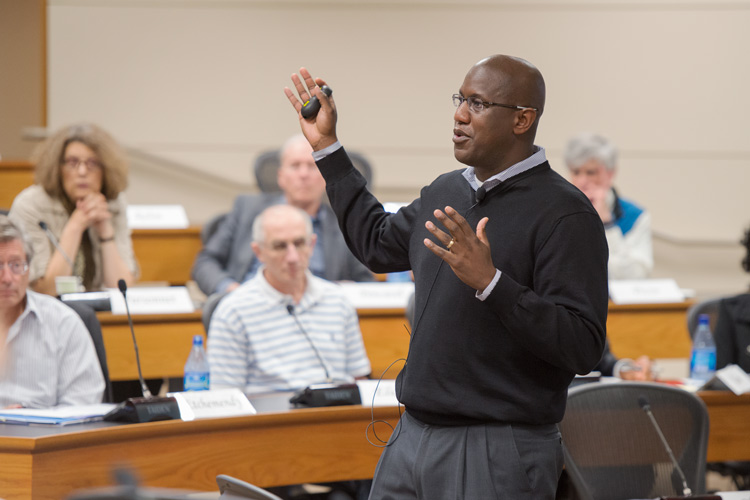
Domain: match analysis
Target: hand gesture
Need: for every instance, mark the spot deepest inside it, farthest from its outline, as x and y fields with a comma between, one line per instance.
x=92, y=210
x=597, y=194
x=466, y=251
x=319, y=130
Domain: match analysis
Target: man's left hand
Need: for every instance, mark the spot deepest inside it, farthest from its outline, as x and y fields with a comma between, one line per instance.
x=469, y=253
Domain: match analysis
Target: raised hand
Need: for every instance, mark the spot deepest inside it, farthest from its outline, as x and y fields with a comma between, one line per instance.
x=320, y=130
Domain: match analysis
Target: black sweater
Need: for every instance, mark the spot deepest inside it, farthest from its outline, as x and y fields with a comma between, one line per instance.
x=511, y=357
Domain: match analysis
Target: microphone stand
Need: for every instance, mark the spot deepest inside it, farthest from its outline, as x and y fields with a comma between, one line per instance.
x=643, y=402
x=148, y=408
x=328, y=394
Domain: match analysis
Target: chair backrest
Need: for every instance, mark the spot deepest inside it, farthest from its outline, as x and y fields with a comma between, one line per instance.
x=209, y=307
x=267, y=165
x=612, y=450
x=88, y=315
x=210, y=227
x=708, y=306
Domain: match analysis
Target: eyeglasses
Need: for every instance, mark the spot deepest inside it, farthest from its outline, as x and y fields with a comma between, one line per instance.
x=477, y=105
x=17, y=267
x=72, y=163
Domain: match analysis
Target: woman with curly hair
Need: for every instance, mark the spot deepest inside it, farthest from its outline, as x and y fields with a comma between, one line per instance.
x=80, y=176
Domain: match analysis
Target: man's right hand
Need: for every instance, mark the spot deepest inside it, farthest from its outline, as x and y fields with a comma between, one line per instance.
x=319, y=130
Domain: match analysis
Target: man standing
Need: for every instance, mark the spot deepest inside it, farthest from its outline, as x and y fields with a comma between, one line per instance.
x=592, y=161
x=509, y=262
x=285, y=328
x=48, y=357
x=226, y=260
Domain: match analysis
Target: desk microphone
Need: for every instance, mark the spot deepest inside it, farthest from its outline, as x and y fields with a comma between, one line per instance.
x=643, y=402
x=124, y=290
x=51, y=236
x=148, y=408
x=290, y=310
x=328, y=394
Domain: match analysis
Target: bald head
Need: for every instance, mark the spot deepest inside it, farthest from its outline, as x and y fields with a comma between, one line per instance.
x=500, y=133
x=518, y=81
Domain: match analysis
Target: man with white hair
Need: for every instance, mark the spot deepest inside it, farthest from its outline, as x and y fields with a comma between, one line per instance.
x=285, y=328
x=47, y=357
x=225, y=261
x=592, y=161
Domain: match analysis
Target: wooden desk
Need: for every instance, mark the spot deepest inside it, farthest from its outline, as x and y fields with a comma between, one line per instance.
x=15, y=176
x=164, y=340
x=729, y=425
x=164, y=343
x=282, y=447
x=657, y=330
x=268, y=449
x=166, y=254
x=386, y=339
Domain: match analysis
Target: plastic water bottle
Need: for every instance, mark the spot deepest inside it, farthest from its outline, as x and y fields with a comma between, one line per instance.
x=703, y=357
x=196, y=369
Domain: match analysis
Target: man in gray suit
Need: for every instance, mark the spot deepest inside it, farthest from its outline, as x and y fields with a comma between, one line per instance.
x=226, y=259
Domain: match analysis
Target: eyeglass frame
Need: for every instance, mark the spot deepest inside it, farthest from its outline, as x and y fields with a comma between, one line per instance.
x=13, y=266
x=485, y=104
x=73, y=163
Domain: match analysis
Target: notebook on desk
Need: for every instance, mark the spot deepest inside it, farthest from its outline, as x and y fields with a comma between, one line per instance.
x=63, y=415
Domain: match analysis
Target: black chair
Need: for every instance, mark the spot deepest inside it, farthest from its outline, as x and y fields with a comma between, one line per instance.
x=210, y=227
x=267, y=164
x=612, y=450
x=209, y=307
x=708, y=306
x=88, y=315
x=738, y=471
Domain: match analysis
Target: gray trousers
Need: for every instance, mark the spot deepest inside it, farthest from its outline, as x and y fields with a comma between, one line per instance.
x=477, y=462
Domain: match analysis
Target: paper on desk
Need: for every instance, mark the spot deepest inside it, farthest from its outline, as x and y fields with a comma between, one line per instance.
x=378, y=295
x=157, y=217
x=385, y=395
x=651, y=291
x=153, y=300
x=62, y=415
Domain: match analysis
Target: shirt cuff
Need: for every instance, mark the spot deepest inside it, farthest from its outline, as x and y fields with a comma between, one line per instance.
x=319, y=155
x=487, y=291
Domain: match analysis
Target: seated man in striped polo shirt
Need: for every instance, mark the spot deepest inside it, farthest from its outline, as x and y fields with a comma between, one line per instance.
x=284, y=329
x=47, y=357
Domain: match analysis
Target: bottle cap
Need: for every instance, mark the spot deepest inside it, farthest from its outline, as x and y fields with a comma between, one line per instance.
x=198, y=340
x=703, y=319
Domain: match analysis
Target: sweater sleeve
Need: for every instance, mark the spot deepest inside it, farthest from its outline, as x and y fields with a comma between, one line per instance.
x=562, y=320
x=376, y=237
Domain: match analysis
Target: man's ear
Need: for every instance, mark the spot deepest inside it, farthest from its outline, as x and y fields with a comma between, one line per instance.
x=258, y=251
x=313, y=240
x=525, y=118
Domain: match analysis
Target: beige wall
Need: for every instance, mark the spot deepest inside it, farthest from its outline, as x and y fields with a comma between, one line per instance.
x=22, y=74
x=199, y=83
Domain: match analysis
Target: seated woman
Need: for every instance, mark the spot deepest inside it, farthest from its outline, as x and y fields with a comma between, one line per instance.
x=80, y=176
x=732, y=330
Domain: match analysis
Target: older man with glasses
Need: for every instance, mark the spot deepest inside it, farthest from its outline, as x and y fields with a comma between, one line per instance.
x=47, y=357
x=510, y=267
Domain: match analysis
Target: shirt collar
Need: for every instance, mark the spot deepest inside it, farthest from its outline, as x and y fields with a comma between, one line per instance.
x=313, y=292
x=537, y=158
x=32, y=307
